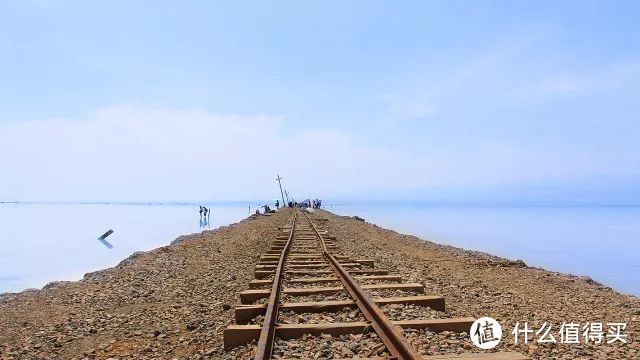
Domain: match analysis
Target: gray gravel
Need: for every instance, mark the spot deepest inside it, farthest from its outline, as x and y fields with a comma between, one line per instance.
x=385, y=293
x=344, y=315
x=342, y=295
x=412, y=312
x=328, y=347
x=313, y=285
x=430, y=343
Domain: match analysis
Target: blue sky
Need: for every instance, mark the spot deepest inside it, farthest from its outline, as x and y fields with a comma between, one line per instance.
x=121, y=100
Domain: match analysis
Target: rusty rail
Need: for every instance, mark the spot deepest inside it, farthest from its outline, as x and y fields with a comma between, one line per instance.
x=268, y=332
x=304, y=258
x=397, y=345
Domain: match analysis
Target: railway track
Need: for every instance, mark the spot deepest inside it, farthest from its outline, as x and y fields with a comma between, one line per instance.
x=305, y=289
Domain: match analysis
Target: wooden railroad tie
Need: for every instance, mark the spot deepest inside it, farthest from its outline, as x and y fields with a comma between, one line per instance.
x=236, y=335
x=244, y=313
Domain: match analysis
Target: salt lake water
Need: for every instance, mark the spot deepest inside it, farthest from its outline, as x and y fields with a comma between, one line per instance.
x=40, y=243
x=600, y=242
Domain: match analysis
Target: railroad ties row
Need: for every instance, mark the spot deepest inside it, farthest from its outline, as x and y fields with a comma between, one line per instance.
x=317, y=317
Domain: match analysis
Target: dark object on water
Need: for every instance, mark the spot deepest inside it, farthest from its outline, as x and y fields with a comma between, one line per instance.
x=104, y=236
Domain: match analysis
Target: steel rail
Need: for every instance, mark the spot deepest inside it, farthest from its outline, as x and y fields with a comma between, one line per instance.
x=397, y=345
x=268, y=331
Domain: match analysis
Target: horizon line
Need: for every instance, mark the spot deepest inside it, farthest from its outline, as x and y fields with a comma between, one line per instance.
x=343, y=202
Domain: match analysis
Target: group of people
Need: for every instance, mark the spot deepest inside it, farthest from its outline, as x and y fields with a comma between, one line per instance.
x=204, y=211
x=267, y=209
x=205, y=215
x=316, y=204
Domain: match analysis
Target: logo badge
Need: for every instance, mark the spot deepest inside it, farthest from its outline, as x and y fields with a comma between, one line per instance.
x=486, y=333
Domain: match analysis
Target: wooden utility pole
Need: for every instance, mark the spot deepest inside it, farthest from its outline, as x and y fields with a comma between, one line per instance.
x=281, y=193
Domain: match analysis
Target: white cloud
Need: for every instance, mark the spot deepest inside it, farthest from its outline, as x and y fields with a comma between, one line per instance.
x=425, y=97
x=130, y=152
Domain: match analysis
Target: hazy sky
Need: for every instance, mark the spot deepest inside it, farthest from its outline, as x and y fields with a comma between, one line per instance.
x=194, y=100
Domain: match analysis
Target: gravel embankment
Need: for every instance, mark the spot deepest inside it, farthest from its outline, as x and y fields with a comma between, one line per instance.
x=477, y=284
x=172, y=302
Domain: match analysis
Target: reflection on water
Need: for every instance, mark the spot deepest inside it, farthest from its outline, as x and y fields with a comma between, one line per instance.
x=105, y=243
x=205, y=221
x=63, y=246
x=600, y=242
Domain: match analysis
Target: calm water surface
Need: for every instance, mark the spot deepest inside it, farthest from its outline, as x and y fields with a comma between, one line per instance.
x=44, y=243
x=600, y=242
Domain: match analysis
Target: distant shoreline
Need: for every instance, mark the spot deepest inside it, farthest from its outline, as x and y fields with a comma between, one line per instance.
x=137, y=203
x=469, y=204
